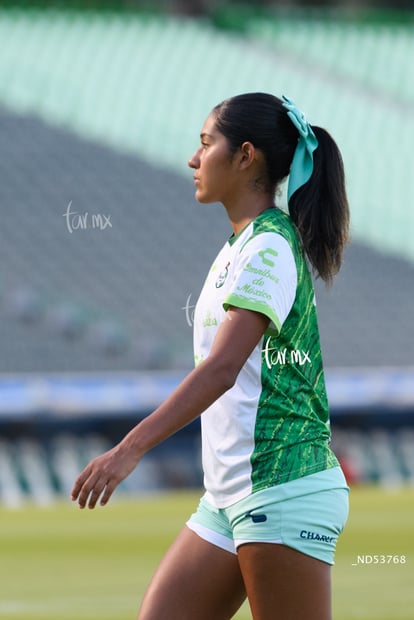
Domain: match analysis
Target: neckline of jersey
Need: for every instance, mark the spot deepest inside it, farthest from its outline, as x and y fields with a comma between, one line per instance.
x=233, y=238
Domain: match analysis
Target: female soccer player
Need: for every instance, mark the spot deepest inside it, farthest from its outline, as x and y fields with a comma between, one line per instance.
x=275, y=497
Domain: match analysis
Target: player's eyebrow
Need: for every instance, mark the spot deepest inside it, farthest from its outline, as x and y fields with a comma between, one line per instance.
x=205, y=135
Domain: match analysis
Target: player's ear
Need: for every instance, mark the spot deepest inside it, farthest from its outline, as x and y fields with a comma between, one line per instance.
x=247, y=155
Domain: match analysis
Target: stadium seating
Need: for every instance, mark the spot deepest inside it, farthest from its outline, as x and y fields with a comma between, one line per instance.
x=99, y=114
x=109, y=77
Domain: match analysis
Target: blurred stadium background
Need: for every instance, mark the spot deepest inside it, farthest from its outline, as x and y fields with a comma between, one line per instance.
x=103, y=248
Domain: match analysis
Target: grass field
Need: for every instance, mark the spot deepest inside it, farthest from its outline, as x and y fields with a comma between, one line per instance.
x=64, y=563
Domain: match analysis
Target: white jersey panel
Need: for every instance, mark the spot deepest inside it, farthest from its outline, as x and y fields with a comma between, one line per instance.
x=257, y=273
x=228, y=437
x=265, y=278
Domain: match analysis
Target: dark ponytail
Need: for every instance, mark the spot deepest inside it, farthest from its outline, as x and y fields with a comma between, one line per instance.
x=319, y=208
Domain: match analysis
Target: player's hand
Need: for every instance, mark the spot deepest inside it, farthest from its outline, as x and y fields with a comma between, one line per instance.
x=101, y=477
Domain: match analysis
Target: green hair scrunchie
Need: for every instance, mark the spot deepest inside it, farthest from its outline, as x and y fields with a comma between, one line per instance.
x=301, y=168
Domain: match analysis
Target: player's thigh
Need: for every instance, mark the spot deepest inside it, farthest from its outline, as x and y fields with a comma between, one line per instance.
x=195, y=580
x=285, y=584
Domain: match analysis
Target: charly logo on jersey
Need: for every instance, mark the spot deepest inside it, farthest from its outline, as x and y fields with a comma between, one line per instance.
x=222, y=276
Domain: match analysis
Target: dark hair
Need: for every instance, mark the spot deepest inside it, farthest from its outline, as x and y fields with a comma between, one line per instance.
x=319, y=209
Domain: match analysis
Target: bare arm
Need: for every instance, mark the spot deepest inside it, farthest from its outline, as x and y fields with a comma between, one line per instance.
x=235, y=340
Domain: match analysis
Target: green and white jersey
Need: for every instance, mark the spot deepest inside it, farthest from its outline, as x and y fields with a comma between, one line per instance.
x=272, y=426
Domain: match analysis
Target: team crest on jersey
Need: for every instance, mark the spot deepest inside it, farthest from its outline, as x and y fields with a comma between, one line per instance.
x=222, y=276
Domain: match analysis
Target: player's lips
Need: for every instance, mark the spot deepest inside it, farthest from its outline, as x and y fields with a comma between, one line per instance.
x=196, y=180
